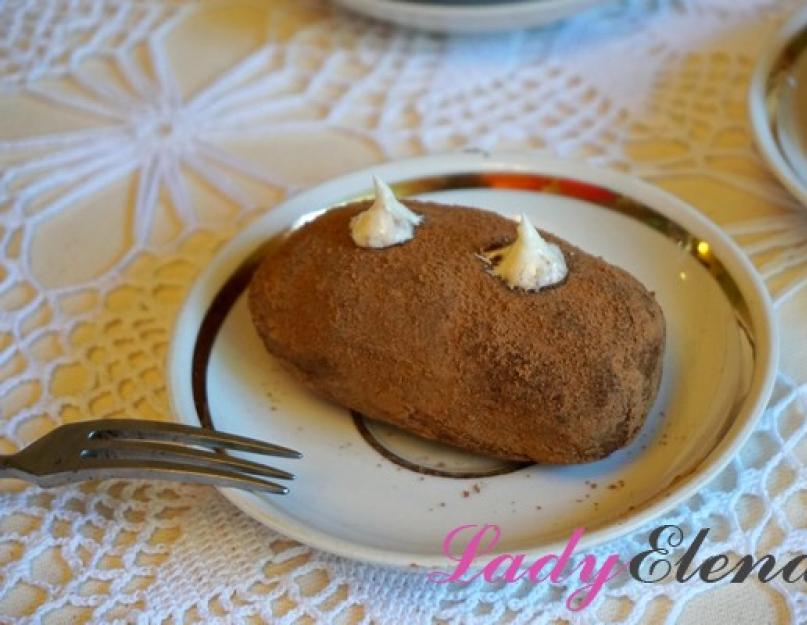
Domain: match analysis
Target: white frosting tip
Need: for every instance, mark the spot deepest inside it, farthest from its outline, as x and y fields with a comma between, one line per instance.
x=530, y=262
x=387, y=222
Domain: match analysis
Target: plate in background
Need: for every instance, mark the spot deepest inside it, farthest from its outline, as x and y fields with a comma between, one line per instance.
x=778, y=104
x=377, y=494
x=460, y=16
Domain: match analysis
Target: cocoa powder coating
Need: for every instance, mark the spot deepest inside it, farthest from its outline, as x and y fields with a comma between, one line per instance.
x=422, y=336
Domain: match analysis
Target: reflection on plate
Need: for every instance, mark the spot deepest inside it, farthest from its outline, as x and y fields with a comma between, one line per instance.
x=371, y=492
x=468, y=16
x=778, y=105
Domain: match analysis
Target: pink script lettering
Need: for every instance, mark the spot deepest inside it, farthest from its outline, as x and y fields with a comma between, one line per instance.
x=510, y=568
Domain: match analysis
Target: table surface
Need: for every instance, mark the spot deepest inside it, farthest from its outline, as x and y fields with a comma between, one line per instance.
x=136, y=138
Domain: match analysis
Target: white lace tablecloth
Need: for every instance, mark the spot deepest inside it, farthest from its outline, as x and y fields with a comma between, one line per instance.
x=136, y=137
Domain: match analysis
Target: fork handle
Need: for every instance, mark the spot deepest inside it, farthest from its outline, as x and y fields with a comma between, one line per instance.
x=9, y=470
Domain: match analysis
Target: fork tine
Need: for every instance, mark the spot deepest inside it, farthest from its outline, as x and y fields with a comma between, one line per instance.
x=118, y=448
x=104, y=468
x=180, y=433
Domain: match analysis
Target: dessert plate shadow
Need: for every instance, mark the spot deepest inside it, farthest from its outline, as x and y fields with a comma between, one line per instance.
x=372, y=492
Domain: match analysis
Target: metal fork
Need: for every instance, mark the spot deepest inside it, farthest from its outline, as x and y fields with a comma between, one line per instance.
x=131, y=448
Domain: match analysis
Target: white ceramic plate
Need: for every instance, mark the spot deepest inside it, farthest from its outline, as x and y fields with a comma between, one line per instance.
x=778, y=104
x=468, y=17
x=371, y=492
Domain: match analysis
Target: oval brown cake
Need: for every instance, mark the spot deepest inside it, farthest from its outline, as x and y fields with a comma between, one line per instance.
x=422, y=336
